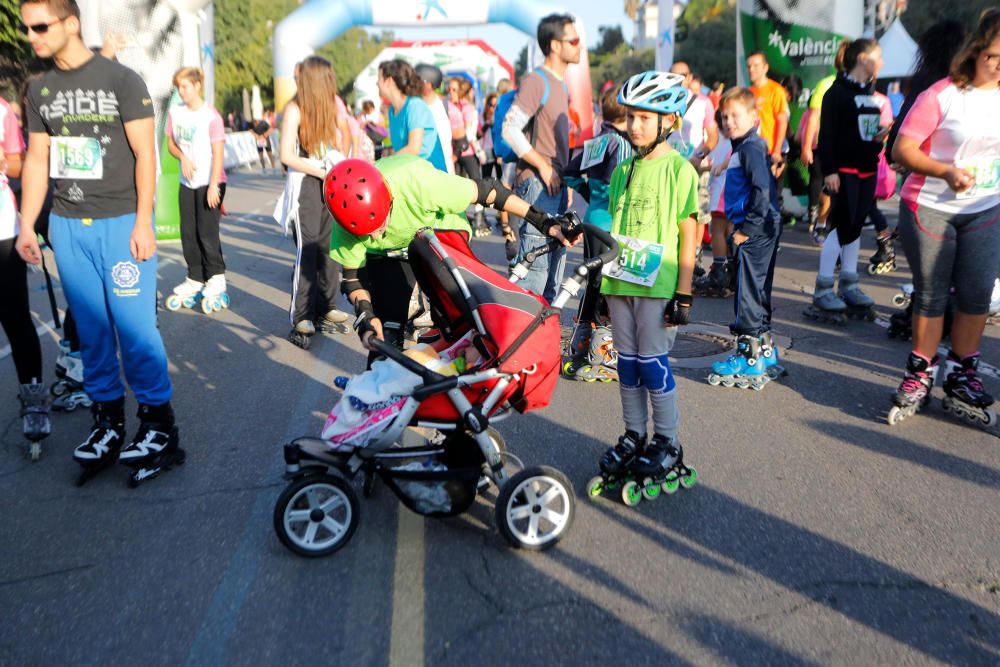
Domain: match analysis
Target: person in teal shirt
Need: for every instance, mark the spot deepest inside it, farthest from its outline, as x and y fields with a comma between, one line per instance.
x=379, y=209
x=412, y=129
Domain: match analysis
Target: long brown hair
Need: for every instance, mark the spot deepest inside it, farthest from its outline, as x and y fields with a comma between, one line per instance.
x=963, y=67
x=317, y=101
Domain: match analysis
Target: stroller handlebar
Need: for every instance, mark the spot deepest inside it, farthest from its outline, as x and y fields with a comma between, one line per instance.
x=595, y=263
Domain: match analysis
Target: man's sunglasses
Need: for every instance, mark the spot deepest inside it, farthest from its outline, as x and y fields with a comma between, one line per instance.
x=572, y=42
x=38, y=28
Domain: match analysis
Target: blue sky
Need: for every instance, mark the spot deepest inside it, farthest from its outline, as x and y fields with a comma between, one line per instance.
x=509, y=41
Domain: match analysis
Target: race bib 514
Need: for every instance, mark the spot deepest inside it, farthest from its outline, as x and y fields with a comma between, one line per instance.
x=638, y=261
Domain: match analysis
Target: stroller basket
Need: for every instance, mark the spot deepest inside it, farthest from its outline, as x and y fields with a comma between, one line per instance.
x=435, y=481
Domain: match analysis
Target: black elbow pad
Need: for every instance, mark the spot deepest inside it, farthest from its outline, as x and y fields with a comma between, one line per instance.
x=501, y=193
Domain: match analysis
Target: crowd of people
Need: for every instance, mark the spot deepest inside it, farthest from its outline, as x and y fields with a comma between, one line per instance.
x=669, y=165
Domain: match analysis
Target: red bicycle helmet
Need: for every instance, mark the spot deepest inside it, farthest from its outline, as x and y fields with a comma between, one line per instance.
x=357, y=196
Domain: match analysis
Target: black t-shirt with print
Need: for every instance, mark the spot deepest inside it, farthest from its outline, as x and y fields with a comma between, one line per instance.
x=84, y=111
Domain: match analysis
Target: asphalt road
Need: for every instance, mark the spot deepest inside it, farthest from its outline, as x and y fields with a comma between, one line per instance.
x=817, y=534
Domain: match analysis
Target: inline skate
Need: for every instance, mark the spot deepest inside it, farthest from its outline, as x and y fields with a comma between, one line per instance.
x=187, y=295
x=598, y=360
x=902, y=298
x=155, y=446
x=745, y=368
x=661, y=468
x=301, y=335
x=826, y=305
x=335, y=322
x=860, y=306
x=480, y=225
x=35, y=415
x=214, y=296
x=770, y=356
x=717, y=284
x=616, y=466
x=884, y=259
x=965, y=396
x=107, y=435
x=68, y=391
x=914, y=392
x=901, y=325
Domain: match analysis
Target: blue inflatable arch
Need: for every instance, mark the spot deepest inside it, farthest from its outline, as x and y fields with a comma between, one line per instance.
x=319, y=22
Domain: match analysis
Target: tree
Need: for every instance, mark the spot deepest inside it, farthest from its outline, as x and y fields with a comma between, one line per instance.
x=14, y=49
x=709, y=48
x=521, y=65
x=351, y=52
x=922, y=15
x=632, y=8
x=611, y=39
x=619, y=66
x=243, y=47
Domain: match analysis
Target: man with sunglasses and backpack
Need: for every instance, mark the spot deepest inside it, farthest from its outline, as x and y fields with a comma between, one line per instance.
x=542, y=102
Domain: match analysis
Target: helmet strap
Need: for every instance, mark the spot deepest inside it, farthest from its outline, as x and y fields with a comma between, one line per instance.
x=661, y=136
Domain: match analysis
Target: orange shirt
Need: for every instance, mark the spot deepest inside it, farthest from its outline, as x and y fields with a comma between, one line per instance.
x=772, y=103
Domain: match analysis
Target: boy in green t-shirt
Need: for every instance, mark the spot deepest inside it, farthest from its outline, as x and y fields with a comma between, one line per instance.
x=654, y=204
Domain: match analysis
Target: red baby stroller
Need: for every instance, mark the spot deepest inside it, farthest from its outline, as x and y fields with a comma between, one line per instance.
x=517, y=341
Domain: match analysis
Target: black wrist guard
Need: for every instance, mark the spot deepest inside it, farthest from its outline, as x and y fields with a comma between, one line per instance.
x=540, y=220
x=683, y=299
x=364, y=315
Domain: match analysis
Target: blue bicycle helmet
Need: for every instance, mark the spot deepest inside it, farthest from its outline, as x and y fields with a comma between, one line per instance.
x=659, y=92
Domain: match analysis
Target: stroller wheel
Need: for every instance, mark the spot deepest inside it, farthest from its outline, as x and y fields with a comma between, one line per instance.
x=316, y=515
x=535, y=508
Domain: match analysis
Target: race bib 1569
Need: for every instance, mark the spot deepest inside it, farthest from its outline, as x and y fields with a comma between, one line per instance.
x=638, y=261
x=75, y=157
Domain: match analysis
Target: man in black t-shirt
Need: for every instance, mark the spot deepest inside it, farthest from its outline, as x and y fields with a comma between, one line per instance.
x=90, y=123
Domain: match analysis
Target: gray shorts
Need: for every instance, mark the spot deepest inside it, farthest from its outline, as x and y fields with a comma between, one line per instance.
x=948, y=250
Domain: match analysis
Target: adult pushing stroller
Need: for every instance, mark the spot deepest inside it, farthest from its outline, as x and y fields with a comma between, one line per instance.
x=514, y=367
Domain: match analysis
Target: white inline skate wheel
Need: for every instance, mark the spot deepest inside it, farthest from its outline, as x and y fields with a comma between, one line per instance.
x=316, y=515
x=896, y=415
x=535, y=508
x=595, y=487
x=631, y=493
x=650, y=491
x=174, y=303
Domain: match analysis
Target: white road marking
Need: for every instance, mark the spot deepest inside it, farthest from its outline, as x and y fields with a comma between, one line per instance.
x=406, y=635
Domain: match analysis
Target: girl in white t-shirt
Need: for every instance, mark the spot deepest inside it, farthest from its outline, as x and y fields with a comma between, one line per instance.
x=196, y=136
x=950, y=222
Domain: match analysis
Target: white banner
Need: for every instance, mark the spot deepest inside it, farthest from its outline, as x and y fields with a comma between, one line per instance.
x=665, y=35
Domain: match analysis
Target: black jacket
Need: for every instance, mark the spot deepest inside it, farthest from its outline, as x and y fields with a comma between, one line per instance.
x=849, y=120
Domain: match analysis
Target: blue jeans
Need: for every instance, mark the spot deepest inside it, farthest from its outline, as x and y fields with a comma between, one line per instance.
x=547, y=271
x=113, y=299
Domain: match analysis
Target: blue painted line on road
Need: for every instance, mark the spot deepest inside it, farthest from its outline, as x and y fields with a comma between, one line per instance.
x=212, y=643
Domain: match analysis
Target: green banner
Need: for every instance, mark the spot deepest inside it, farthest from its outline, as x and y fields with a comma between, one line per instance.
x=791, y=49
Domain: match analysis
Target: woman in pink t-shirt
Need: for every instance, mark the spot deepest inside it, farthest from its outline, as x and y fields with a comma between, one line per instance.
x=950, y=222
x=197, y=137
x=468, y=154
